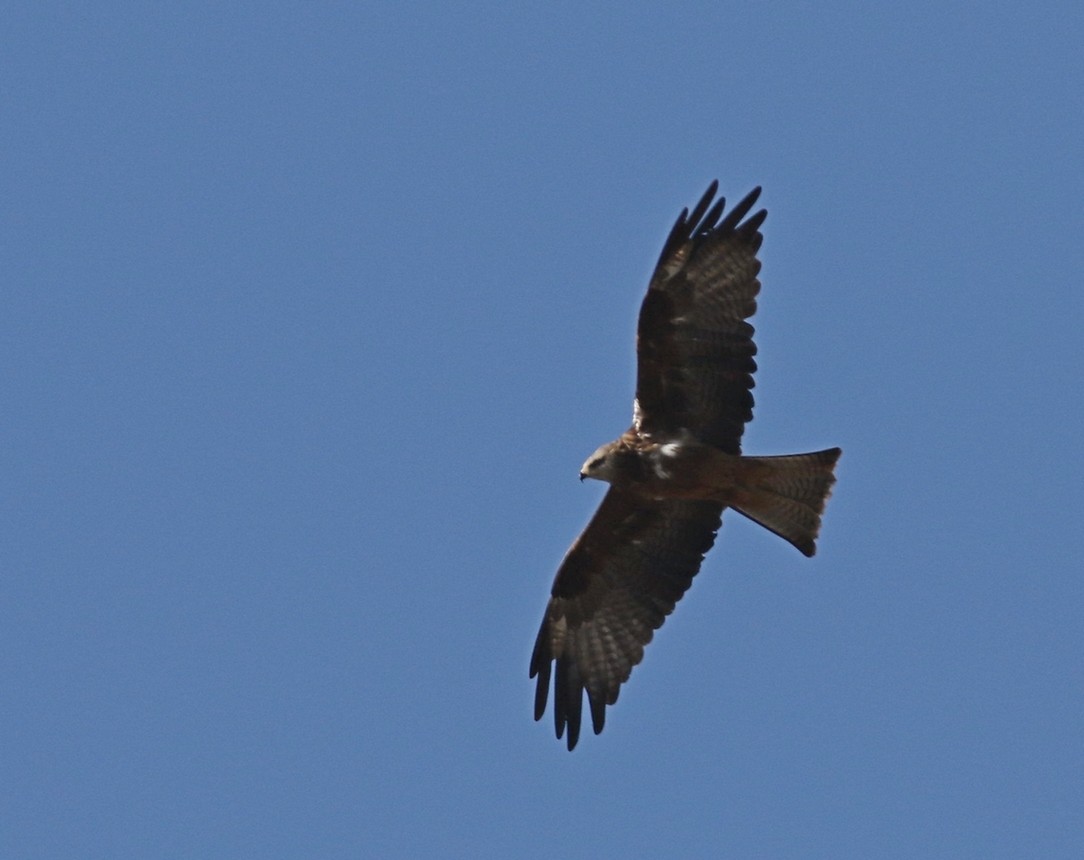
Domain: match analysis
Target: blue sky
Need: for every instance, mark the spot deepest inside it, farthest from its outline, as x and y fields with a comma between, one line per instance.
x=312, y=313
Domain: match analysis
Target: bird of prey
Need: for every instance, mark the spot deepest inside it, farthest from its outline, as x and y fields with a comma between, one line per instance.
x=675, y=469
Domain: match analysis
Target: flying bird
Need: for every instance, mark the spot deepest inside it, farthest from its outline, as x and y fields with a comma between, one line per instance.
x=675, y=469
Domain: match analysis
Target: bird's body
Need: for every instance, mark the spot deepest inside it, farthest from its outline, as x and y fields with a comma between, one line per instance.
x=668, y=469
x=689, y=470
x=674, y=470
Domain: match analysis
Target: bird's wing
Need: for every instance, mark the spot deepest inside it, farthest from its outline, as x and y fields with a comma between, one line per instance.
x=615, y=587
x=695, y=348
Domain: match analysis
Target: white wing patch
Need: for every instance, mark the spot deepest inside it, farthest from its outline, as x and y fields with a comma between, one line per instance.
x=637, y=415
x=669, y=451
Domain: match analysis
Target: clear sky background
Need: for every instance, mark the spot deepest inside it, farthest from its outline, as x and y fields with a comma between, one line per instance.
x=311, y=312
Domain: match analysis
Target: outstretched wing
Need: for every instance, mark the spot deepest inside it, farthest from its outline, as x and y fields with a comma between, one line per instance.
x=694, y=346
x=614, y=589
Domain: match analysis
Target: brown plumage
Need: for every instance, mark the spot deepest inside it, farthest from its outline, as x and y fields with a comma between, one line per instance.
x=675, y=469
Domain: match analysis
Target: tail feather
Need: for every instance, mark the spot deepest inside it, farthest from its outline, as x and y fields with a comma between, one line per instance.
x=787, y=494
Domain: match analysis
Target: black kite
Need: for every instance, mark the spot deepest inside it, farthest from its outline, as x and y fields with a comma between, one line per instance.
x=675, y=469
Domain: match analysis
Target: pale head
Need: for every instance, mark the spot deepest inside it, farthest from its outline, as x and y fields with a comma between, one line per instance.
x=600, y=465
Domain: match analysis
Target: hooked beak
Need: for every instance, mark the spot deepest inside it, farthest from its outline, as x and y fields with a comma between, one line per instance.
x=582, y=476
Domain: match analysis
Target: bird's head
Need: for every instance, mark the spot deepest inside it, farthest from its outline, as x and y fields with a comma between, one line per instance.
x=600, y=465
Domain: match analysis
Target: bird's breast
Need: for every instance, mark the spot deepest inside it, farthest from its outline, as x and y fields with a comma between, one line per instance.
x=685, y=470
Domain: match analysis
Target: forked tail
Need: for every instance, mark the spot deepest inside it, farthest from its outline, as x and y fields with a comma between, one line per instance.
x=786, y=494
